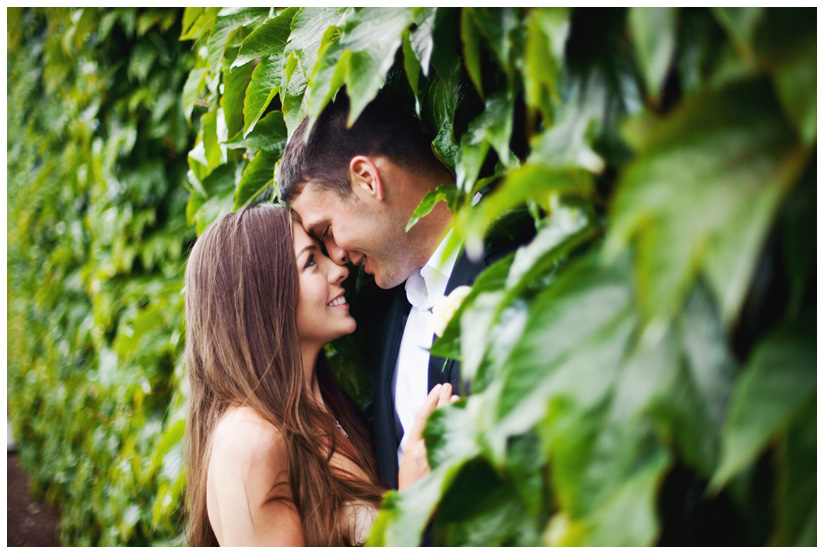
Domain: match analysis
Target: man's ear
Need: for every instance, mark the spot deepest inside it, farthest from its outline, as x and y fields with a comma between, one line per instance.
x=365, y=177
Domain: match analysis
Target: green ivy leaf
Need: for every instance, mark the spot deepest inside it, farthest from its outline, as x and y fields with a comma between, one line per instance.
x=491, y=279
x=191, y=90
x=421, y=38
x=267, y=40
x=199, y=24
x=491, y=516
x=142, y=59
x=308, y=28
x=476, y=321
x=263, y=86
x=796, y=487
x=412, y=67
x=172, y=436
x=214, y=208
x=215, y=155
x=741, y=24
x=569, y=142
x=786, y=46
x=227, y=21
x=441, y=102
x=653, y=30
x=373, y=36
x=404, y=514
x=701, y=195
x=628, y=516
x=527, y=182
x=547, y=32
x=444, y=193
x=327, y=75
x=585, y=311
x=220, y=181
x=493, y=127
x=798, y=220
x=293, y=99
x=499, y=26
x=232, y=100
x=190, y=15
x=257, y=176
x=268, y=134
x=778, y=380
x=471, y=41
x=697, y=404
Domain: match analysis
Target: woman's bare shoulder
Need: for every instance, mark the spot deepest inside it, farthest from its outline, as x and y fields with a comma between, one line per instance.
x=245, y=441
x=248, y=496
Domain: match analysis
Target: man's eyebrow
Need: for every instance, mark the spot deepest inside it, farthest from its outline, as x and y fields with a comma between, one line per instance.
x=313, y=228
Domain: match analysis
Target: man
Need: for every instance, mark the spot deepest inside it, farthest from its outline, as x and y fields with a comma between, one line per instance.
x=355, y=190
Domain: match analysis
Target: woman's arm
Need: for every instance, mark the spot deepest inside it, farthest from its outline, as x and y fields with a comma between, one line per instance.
x=248, y=498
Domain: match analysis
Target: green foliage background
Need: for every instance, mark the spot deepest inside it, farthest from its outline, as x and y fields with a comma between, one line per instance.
x=97, y=235
x=660, y=325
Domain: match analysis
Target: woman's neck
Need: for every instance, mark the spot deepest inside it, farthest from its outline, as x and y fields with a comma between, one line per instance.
x=309, y=355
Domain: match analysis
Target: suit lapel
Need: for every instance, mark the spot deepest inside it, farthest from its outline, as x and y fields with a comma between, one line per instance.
x=386, y=422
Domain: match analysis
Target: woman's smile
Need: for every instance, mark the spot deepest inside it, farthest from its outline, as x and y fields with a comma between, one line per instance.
x=319, y=290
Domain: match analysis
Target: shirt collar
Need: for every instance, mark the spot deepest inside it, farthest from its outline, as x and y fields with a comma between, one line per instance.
x=428, y=283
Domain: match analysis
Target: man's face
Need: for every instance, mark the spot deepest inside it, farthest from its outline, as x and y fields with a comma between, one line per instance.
x=360, y=229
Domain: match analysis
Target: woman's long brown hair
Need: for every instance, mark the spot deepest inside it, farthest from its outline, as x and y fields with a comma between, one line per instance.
x=242, y=348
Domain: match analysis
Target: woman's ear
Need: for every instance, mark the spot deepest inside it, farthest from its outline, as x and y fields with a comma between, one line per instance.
x=365, y=177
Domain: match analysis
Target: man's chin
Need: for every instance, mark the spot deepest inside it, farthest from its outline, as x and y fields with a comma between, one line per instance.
x=388, y=282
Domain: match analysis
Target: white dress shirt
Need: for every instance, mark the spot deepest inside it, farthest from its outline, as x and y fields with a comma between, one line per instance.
x=424, y=287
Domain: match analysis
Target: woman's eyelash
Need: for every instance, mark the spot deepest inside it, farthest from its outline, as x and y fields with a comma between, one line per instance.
x=310, y=261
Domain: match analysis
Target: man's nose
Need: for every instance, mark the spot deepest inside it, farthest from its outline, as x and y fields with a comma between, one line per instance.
x=336, y=253
x=337, y=273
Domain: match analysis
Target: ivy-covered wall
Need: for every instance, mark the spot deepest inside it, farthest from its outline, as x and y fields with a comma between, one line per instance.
x=97, y=236
x=643, y=372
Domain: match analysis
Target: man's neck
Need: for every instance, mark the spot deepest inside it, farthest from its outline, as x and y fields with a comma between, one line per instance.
x=436, y=226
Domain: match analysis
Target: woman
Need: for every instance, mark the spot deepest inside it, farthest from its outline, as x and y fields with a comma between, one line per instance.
x=275, y=453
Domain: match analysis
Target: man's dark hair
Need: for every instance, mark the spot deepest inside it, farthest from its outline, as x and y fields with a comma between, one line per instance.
x=383, y=129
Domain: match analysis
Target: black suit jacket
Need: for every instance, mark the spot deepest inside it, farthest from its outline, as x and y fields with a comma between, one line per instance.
x=389, y=316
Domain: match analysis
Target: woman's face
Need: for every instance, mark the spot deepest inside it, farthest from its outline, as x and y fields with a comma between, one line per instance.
x=323, y=312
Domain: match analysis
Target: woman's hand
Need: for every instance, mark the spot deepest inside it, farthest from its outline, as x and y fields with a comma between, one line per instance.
x=414, y=465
